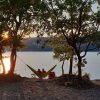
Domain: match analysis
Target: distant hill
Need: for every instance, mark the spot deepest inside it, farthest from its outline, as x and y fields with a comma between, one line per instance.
x=35, y=44
x=42, y=44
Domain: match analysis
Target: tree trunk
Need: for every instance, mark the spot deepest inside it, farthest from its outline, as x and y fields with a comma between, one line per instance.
x=3, y=66
x=71, y=65
x=79, y=67
x=1, y=58
x=2, y=63
x=12, y=61
x=63, y=67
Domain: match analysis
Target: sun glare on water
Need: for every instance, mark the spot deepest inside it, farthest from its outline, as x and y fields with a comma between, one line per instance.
x=7, y=64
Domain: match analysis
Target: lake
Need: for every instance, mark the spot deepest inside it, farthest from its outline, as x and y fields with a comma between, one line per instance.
x=45, y=60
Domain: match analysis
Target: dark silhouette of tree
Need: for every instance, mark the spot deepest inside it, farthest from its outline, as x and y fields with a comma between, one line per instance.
x=3, y=39
x=18, y=24
x=75, y=20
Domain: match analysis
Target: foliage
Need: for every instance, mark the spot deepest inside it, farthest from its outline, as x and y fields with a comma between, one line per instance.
x=75, y=20
x=73, y=81
x=86, y=76
x=17, y=21
x=61, y=49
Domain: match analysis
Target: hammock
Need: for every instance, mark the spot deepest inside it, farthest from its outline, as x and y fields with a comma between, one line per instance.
x=41, y=75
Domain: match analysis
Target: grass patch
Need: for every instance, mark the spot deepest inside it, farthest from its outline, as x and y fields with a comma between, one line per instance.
x=9, y=78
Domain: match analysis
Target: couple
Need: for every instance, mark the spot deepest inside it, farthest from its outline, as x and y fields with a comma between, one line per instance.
x=50, y=74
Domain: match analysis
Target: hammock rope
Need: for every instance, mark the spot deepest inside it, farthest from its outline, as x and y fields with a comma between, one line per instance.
x=40, y=75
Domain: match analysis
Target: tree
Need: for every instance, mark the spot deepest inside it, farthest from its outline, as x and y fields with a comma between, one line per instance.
x=76, y=21
x=18, y=23
x=3, y=39
x=62, y=51
x=1, y=56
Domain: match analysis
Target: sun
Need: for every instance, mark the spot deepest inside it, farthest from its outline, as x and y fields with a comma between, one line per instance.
x=5, y=35
x=7, y=64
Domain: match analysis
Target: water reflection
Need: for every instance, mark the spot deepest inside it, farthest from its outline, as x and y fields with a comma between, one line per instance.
x=7, y=64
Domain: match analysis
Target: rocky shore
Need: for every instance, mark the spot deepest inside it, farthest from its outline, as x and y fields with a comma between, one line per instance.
x=35, y=89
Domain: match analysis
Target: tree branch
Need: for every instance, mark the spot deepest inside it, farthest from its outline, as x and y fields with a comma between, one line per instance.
x=80, y=17
x=86, y=49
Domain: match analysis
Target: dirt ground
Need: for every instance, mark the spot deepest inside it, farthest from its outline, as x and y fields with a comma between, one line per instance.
x=35, y=89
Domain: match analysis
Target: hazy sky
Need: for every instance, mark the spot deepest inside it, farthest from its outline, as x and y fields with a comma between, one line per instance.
x=94, y=7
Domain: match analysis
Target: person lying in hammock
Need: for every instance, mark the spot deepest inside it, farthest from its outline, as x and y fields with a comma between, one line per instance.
x=43, y=71
x=39, y=73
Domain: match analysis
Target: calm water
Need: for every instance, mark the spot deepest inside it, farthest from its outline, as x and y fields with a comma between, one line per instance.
x=45, y=60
